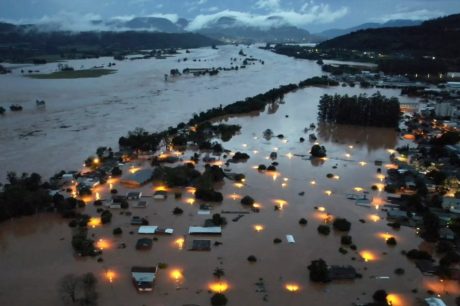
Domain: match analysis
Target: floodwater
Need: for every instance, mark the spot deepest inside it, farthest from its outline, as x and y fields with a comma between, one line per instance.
x=36, y=251
x=82, y=114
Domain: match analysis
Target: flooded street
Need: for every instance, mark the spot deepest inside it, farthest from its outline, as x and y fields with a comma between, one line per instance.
x=37, y=250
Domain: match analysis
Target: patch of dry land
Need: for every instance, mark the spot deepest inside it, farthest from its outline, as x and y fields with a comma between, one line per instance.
x=36, y=252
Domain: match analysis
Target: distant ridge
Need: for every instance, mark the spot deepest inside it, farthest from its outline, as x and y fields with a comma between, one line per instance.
x=27, y=41
x=438, y=37
x=332, y=33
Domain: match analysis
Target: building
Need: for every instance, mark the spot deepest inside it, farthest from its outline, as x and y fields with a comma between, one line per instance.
x=143, y=278
x=199, y=230
x=144, y=244
x=451, y=204
x=433, y=301
x=138, y=179
x=453, y=85
x=134, y=195
x=341, y=273
x=444, y=109
x=446, y=233
x=201, y=245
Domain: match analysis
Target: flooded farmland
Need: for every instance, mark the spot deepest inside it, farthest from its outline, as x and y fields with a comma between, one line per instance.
x=37, y=250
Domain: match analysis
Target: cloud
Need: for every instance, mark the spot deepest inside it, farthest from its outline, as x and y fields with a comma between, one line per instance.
x=421, y=14
x=65, y=21
x=171, y=17
x=201, y=2
x=268, y=4
x=314, y=13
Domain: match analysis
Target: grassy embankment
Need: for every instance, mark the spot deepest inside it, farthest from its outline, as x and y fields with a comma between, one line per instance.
x=75, y=74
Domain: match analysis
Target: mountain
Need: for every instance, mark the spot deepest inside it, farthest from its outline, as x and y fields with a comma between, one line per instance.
x=332, y=33
x=277, y=30
x=438, y=37
x=24, y=43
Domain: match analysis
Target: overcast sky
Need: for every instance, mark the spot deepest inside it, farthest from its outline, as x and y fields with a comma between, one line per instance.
x=312, y=15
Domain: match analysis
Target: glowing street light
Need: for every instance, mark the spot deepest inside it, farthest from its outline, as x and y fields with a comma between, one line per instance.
x=258, y=228
x=219, y=287
x=292, y=287
x=180, y=243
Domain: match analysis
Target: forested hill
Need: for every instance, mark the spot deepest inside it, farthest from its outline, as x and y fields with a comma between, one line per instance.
x=438, y=37
x=19, y=42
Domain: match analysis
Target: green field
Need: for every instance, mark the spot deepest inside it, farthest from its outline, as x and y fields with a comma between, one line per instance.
x=76, y=74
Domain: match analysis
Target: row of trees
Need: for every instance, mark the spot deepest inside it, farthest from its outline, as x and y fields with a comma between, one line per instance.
x=23, y=195
x=203, y=130
x=376, y=110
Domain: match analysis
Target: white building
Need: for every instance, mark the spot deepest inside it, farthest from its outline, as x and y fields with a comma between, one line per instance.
x=444, y=109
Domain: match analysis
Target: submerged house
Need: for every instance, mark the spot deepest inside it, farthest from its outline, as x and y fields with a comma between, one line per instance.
x=138, y=179
x=144, y=244
x=342, y=273
x=199, y=230
x=143, y=278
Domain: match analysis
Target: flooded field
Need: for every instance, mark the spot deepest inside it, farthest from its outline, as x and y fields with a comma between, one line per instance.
x=36, y=251
x=82, y=114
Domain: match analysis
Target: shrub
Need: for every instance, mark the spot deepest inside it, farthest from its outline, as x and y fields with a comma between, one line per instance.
x=247, y=200
x=262, y=168
x=219, y=299
x=399, y=271
x=318, y=271
x=343, y=251
x=303, y=221
x=324, y=229
x=240, y=157
x=417, y=254
x=380, y=296
x=346, y=240
x=178, y=211
x=318, y=151
x=391, y=241
x=252, y=258
x=208, y=195
x=162, y=265
x=341, y=224
x=116, y=171
x=271, y=168
x=117, y=231
x=106, y=217
x=97, y=203
x=218, y=220
x=276, y=240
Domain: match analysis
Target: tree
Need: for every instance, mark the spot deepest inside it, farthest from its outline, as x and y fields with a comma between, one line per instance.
x=430, y=228
x=318, y=271
x=247, y=200
x=318, y=151
x=218, y=273
x=341, y=224
x=219, y=299
x=218, y=220
x=380, y=296
x=324, y=229
x=79, y=290
x=67, y=287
